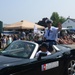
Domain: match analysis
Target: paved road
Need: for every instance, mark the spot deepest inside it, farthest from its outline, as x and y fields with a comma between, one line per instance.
x=72, y=46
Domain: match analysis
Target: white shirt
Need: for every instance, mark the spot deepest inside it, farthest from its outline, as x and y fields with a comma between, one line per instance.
x=37, y=54
x=52, y=35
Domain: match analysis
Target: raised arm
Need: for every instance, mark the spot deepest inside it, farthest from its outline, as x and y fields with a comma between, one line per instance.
x=59, y=26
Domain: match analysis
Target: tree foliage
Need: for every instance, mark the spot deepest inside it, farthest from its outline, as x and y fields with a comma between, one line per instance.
x=56, y=19
x=42, y=22
x=61, y=19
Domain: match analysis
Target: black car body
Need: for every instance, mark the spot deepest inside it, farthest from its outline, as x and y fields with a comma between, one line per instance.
x=19, y=59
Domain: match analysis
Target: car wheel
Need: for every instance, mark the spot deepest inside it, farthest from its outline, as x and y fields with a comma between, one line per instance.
x=71, y=67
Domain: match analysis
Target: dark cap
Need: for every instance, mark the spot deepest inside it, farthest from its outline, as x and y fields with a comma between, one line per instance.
x=44, y=45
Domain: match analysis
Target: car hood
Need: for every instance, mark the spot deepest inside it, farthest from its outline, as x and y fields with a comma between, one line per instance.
x=11, y=61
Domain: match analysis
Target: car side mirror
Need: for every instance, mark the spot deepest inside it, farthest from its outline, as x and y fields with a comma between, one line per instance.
x=41, y=55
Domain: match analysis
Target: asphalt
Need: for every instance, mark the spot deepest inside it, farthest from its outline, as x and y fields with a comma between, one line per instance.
x=71, y=45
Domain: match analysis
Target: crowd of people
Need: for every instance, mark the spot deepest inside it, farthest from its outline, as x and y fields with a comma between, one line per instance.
x=7, y=39
x=50, y=35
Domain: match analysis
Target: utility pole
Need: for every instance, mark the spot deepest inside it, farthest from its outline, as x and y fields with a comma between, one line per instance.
x=1, y=29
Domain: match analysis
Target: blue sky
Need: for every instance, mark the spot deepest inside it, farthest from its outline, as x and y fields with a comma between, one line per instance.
x=12, y=11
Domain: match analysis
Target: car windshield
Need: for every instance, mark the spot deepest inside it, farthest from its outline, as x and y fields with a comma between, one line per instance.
x=19, y=49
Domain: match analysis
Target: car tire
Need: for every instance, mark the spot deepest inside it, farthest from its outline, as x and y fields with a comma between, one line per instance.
x=70, y=67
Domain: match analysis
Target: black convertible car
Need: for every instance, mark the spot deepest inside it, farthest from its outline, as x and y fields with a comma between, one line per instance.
x=19, y=59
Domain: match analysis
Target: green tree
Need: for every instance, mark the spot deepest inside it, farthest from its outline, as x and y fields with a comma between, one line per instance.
x=55, y=18
x=61, y=19
x=42, y=22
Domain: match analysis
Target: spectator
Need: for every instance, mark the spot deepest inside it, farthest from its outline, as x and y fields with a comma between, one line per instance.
x=9, y=39
x=23, y=34
x=4, y=39
x=65, y=40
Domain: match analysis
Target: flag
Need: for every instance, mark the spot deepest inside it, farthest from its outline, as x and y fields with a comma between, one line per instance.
x=35, y=29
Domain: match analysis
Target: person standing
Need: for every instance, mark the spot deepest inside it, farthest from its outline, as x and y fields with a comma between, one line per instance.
x=51, y=33
x=4, y=39
x=9, y=39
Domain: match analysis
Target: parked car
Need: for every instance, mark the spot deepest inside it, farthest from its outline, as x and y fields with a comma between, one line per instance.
x=19, y=59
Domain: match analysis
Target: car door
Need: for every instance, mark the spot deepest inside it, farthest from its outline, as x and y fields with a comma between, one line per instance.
x=52, y=64
x=48, y=65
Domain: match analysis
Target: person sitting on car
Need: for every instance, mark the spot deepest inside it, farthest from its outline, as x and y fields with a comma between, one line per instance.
x=44, y=49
